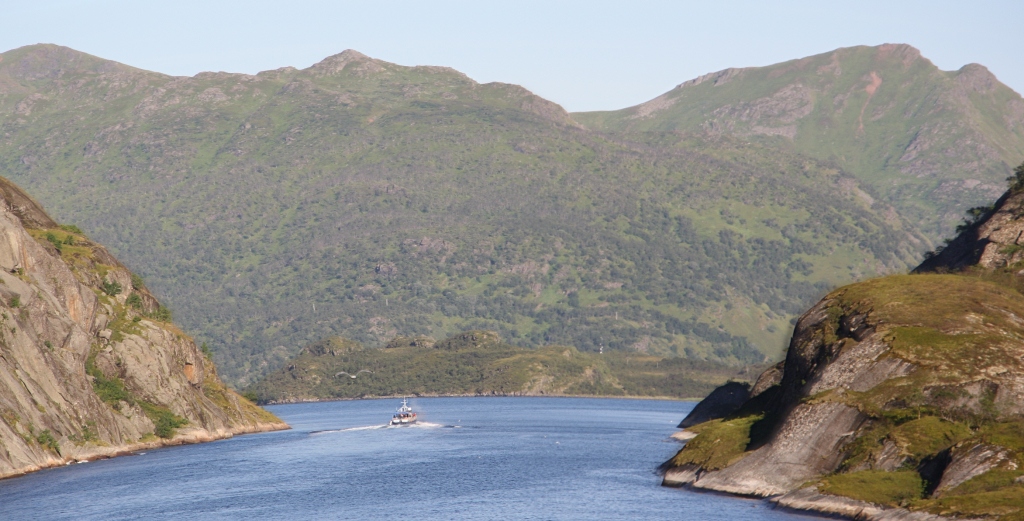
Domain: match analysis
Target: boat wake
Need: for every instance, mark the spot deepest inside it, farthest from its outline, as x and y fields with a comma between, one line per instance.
x=417, y=425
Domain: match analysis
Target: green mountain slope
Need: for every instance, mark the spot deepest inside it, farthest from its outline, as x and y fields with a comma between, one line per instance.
x=479, y=362
x=929, y=142
x=365, y=199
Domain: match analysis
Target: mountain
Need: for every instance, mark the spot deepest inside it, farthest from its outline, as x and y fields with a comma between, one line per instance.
x=930, y=143
x=480, y=363
x=90, y=367
x=899, y=398
x=368, y=200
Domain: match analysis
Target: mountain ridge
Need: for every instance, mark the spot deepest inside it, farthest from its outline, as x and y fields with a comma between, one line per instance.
x=376, y=200
x=821, y=105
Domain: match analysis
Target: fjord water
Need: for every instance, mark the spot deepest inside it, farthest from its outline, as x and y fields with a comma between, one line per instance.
x=471, y=458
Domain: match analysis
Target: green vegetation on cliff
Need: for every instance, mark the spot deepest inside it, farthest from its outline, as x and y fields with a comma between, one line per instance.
x=478, y=362
x=368, y=200
x=942, y=432
x=88, y=368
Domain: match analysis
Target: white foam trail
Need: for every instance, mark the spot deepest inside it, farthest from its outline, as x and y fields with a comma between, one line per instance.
x=417, y=425
x=423, y=425
x=364, y=428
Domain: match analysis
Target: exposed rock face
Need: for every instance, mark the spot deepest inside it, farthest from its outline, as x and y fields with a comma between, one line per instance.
x=810, y=499
x=995, y=241
x=806, y=446
x=87, y=368
x=917, y=376
x=970, y=461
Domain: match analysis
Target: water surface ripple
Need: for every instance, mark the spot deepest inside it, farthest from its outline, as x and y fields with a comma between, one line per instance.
x=472, y=458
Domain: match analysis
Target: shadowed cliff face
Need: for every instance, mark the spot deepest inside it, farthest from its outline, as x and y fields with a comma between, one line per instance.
x=996, y=241
x=89, y=364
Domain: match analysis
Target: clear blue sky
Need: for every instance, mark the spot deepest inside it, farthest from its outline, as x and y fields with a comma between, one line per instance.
x=585, y=55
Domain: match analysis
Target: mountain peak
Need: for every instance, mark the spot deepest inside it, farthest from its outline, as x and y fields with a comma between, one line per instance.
x=334, y=64
x=50, y=61
x=975, y=77
x=905, y=52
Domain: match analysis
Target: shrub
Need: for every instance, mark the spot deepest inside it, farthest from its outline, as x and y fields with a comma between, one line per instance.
x=161, y=313
x=72, y=228
x=164, y=421
x=134, y=301
x=89, y=432
x=57, y=243
x=1017, y=179
x=15, y=301
x=111, y=288
x=47, y=440
x=137, y=282
x=876, y=486
x=110, y=390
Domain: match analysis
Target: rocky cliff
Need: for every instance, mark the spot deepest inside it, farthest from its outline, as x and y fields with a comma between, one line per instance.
x=90, y=364
x=899, y=398
x=991, y=239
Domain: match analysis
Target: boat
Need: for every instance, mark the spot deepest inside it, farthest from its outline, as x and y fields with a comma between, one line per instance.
x=405, y=415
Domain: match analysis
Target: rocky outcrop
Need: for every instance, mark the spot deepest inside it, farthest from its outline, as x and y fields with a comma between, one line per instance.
x=811, y=500
x=722, y=402
x=996, y=240
x=90, y=365
x=970, y=461
x=806, y=445
x=902, y=387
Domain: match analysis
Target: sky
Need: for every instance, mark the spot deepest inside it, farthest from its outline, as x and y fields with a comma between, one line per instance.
x=584, y=55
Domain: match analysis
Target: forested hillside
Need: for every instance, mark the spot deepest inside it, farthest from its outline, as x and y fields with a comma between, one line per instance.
x=480, y=363
x=365, y=199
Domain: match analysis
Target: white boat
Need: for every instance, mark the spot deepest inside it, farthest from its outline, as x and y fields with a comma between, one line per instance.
x=405, y=415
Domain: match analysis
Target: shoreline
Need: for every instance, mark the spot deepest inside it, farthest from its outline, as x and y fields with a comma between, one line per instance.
x=802, y=500
x=479, y=395
x=185, y=437
x=810, y=501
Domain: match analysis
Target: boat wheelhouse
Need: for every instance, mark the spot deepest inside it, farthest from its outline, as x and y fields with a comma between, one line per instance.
x=404, y=415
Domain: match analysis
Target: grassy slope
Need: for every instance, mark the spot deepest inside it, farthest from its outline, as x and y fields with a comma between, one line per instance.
x=374, y=200
x=477, y=362
x=957, y=331
x=928, y=142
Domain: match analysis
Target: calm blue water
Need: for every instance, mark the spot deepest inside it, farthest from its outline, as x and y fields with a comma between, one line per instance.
x=476, y=458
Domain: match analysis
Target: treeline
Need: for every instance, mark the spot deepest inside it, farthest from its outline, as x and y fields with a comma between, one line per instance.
x=479, y=363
